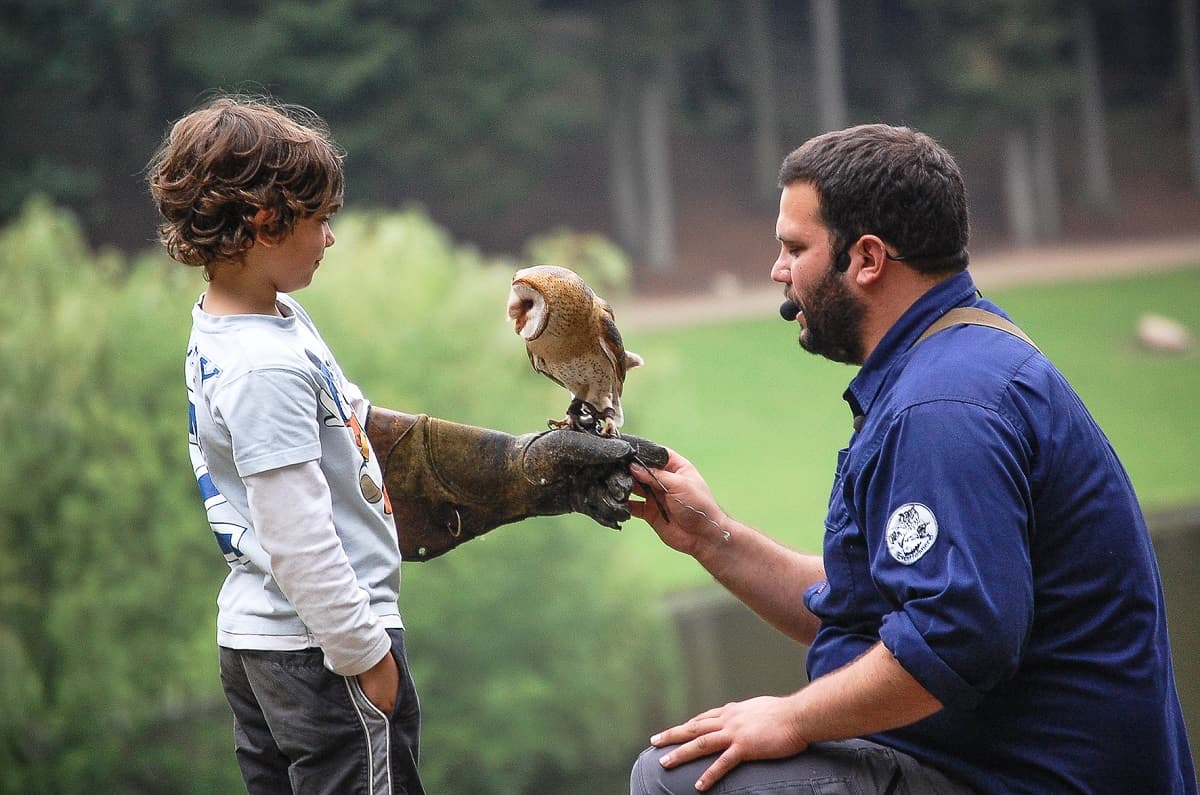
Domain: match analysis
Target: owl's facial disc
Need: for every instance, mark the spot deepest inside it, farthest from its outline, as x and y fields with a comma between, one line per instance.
x=527, y=309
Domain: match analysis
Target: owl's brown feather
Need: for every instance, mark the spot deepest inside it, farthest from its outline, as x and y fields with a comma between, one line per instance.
x=572, y=339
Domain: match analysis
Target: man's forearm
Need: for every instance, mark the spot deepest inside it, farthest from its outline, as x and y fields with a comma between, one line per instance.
x=766, y=576
x=873, y=693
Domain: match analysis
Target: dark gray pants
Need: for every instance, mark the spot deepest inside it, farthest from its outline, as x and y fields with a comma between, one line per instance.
x=849, y=767
x=300, y=728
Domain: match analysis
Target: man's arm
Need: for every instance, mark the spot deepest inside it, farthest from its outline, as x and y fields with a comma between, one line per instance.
x=871, y=694
x=768, y=577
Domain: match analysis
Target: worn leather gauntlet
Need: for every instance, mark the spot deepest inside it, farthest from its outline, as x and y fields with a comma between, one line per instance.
x=449, y=483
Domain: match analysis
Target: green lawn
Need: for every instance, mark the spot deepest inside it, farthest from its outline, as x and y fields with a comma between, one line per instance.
x=763, y=420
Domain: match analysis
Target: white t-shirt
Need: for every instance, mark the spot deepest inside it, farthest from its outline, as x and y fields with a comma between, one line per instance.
x=292, y=488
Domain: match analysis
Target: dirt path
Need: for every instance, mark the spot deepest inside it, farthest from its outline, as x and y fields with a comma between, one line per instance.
x=731, y=300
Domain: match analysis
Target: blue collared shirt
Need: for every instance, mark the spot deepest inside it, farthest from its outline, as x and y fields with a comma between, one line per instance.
x=982, y=527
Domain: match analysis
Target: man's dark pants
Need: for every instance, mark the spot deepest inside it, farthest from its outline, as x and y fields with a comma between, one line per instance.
x=848, y=767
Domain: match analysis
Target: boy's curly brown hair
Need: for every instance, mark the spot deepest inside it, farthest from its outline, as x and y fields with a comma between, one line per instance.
x=222, y=165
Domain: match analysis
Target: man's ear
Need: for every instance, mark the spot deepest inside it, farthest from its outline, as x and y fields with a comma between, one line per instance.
x=873, y=259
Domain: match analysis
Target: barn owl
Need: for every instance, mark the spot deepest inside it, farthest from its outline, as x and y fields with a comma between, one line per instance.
x=571, y=338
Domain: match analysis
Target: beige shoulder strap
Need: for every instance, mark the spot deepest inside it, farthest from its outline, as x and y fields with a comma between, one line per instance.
x=973, y=316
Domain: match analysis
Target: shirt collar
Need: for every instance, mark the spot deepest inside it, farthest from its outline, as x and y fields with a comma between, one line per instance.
x=958, y=290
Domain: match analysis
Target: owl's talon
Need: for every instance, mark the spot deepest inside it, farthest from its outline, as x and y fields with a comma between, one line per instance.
x=608, y=423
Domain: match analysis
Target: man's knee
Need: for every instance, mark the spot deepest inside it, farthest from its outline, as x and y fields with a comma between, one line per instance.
x=649, y=777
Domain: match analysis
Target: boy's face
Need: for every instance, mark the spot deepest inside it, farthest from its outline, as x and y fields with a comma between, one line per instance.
x=291, y=262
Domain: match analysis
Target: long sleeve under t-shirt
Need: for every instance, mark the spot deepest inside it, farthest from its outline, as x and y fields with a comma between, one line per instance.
x=292, y=489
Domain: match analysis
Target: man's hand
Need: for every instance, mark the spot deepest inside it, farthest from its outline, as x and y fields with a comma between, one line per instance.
x=695, y=518
x=381, y=682
x=761, y=728
x=872, y=694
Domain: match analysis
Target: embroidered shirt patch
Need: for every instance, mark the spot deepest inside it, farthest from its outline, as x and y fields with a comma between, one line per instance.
x=911, y=531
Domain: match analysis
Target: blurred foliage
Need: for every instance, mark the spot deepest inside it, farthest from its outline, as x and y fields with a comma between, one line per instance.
x=489, y=112
x=997, y=60
x=461, y=104
x=537, y=656
x=104, y=595
x=598, y=260
x=453, y=101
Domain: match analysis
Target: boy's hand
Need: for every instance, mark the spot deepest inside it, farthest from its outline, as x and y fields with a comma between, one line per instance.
x=381, y=682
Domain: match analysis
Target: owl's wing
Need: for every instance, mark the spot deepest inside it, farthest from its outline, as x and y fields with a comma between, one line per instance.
x=612, y=345
x=539, y=364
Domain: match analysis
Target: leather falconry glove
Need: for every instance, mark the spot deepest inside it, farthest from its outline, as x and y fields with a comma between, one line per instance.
x=449, y=483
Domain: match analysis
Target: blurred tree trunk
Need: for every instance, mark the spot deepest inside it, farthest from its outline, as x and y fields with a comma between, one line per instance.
x=132, y=103
x=1019, y=188
x=655, y=130
x=1189, y=74
x=625, y=198
x=1098, y=190
x=827, y=44
x=765, y=148
x=640, y=42
x=1045, y=174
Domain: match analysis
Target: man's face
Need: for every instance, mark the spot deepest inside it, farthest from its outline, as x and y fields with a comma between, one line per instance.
x=831, y=316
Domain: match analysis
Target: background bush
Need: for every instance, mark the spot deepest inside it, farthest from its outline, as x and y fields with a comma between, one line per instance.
x=537, y=658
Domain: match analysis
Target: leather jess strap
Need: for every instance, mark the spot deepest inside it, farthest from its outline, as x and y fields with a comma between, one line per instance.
x=973, y=316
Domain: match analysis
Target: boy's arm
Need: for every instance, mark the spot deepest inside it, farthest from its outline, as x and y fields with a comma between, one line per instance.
x=449, y=483
x=292, y=513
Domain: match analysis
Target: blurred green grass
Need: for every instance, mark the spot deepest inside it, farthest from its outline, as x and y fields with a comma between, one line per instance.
x=763, y=420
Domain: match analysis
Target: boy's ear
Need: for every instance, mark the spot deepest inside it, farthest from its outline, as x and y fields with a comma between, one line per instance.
x=263, y=220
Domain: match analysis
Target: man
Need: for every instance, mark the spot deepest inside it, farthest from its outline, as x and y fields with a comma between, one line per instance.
x=987, y=615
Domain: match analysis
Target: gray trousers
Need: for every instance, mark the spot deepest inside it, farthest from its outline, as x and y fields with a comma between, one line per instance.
x=848, y=767
x=300, y=728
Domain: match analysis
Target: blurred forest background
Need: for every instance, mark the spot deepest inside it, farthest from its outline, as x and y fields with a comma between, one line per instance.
x=660, y=124
x=636, y=141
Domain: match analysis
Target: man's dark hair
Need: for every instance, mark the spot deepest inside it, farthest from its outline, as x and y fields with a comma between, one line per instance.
x=893, y=182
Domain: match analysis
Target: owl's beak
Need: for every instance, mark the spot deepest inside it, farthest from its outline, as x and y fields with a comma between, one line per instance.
x=517, y=312
x=527, y=310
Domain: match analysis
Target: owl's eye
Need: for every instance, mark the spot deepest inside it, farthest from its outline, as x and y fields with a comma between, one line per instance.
x=527, y=304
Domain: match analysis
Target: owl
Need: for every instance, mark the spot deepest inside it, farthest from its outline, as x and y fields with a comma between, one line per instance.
x=571, y=339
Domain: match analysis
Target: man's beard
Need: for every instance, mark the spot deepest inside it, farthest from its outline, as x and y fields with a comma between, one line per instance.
x=833, y=320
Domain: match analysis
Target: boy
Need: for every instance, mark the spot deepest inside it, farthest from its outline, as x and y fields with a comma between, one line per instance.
x=311, y=640
x=284, y=449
